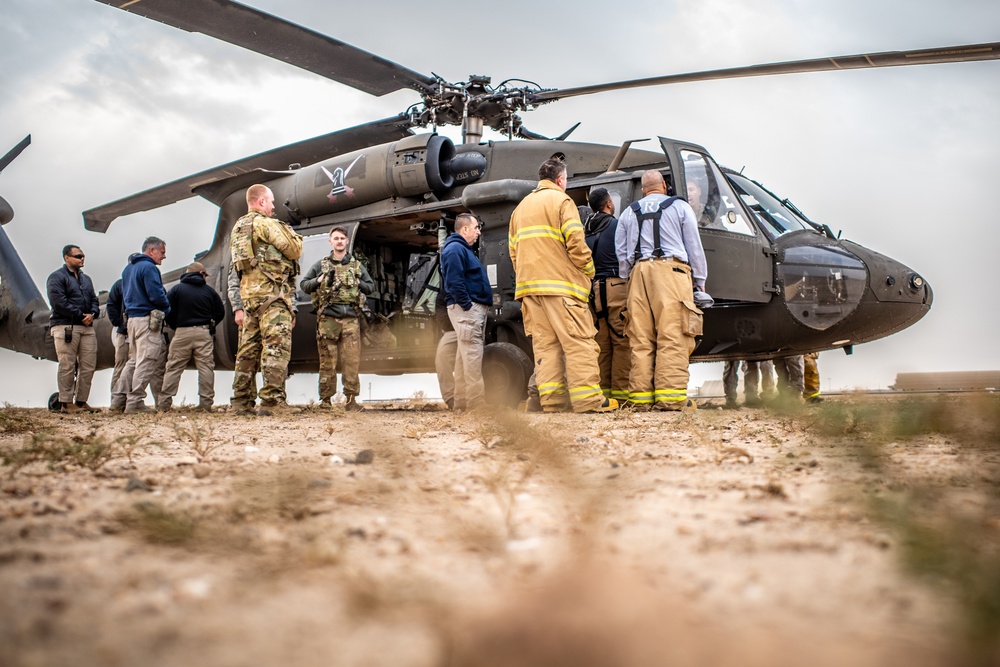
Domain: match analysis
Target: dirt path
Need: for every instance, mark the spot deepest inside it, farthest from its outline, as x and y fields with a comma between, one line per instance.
x=709, y=537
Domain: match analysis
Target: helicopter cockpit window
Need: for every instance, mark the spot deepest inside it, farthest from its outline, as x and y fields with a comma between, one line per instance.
x=776, y=218
x=714, y=203
x=822, y=284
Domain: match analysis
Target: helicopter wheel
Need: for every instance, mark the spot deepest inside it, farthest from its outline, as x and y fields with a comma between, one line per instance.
x=506, y=369
x=54, y=404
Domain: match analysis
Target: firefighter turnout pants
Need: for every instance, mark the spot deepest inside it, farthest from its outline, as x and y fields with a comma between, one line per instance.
x=663, y=323
x=610, y=296
x=562, y=337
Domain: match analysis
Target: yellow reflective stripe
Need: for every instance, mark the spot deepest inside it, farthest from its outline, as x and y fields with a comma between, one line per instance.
x=560, y=286
x=620, y=394
x=671, y=392
x=640, y=397
x=546, y=388
x=536, y=231
x=814, y=395
x=589, y=268
x=585, y=391
x=571, y=226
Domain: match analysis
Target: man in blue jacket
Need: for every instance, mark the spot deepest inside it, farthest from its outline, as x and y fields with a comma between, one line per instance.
x=468, y=295
x=74, y=309
x=147, y=306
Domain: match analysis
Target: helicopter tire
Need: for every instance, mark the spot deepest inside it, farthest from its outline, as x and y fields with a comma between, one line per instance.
x=54, y=404
x=506, y=369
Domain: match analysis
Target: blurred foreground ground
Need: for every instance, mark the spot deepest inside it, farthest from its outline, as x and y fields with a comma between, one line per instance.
x=865, y=531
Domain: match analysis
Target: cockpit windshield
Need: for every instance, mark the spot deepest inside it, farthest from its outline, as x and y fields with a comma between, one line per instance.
x=775, y=217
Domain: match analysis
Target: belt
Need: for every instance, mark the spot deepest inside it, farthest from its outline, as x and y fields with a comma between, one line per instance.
x=663, y=259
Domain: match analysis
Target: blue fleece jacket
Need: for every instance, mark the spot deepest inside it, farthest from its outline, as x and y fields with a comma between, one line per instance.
x=142, y=287
x=465, y=278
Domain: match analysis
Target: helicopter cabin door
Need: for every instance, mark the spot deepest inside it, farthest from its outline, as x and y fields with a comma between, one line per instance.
x=740, y=258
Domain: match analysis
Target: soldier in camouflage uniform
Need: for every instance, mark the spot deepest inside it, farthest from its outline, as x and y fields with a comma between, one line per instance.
x=337, y=284
x=265, y=253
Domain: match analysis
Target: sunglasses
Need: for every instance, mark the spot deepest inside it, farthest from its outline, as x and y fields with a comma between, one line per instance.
x=80, y=256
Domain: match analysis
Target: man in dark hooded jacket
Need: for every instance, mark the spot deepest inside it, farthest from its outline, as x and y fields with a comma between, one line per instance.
x=195, y=309
x=469, y=297
x=146, y=306
x=608, y=297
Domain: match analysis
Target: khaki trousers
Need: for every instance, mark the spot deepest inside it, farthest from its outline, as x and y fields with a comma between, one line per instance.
x=470, y=335
x=444, y=365
x=120, y=343
x=191, y=343
x=77, y=361
x=615, y=358
x=146, y=354
x=658, y=332
x=562, y=337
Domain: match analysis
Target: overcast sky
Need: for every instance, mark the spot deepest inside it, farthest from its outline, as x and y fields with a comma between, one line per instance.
x=902, y=160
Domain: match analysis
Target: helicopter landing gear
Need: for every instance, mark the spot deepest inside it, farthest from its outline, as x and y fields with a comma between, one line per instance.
x=506, y=369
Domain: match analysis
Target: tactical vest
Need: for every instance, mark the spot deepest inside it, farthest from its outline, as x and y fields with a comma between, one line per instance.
x=247, y=254
x=338, y=283
x=242, y=246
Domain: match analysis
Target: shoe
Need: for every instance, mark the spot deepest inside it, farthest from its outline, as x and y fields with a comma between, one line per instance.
x=165, y=405
x=70, y=408
x=86, y=407
x=753, y=402
x=731, y=404
x=609, y=405
x=353, y=406
x=450, y=402
x=269, y=409
x=638, y=407
x=117, y=408
x=138, y=409
x=556, y=408
x=243, y=410
x=533, y=404
x=814, y=400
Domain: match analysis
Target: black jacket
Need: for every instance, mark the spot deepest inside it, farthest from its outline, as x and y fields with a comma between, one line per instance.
x=70, y=297
x=601, y=228
x=115, y=306
x=194, y=302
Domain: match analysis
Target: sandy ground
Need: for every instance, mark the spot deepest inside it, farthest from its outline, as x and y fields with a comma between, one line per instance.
x=709, y=537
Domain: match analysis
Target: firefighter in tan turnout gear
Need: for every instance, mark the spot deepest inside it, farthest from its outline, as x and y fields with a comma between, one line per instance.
x=265, y=253
x=337, y=284
x=659, y=252
x=554, y=269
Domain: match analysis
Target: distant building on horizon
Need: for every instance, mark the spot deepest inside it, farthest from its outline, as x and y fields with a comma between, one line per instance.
x=948, y=381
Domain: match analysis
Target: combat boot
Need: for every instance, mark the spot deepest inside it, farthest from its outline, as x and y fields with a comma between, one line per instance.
x=732, y=404
x=70, y=408
x=353, y=406
x=86, y=407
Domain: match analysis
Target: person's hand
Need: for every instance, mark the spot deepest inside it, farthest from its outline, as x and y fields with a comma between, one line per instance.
x=239, y=316
x=88, y=319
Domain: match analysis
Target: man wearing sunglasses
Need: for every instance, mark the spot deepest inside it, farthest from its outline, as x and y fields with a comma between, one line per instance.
x=74, y=309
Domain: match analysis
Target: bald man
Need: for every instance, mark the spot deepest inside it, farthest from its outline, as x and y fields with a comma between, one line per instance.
x=660, y=253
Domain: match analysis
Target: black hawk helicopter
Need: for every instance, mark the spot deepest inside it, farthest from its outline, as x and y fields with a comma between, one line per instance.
x=782, y=283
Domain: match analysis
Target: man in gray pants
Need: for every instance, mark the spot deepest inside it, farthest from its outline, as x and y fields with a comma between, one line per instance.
x=146, y=305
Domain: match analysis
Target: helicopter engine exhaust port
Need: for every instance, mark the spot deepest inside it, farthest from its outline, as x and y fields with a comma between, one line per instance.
x=411, y=167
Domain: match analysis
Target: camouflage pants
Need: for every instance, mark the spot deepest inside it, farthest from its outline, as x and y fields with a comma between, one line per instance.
x=265, y=343
x=338, y=338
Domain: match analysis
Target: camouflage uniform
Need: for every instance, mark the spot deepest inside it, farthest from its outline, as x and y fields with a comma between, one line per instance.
x=265, y=252
x=336, y=287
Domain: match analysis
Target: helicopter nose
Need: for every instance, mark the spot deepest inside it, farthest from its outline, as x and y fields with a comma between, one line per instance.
x=902, y=295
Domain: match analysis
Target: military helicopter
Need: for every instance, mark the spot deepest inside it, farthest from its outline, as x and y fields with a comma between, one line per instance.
x=782, y=284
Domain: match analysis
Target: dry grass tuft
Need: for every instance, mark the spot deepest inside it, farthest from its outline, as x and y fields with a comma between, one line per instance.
x=158, y=525
x=17, y=420
x=90, y=451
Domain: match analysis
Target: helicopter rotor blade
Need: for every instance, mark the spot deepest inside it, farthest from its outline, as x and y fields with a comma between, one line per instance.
x=14, y=152
x=304, y=152
x=283, y=40
x=953, y=54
